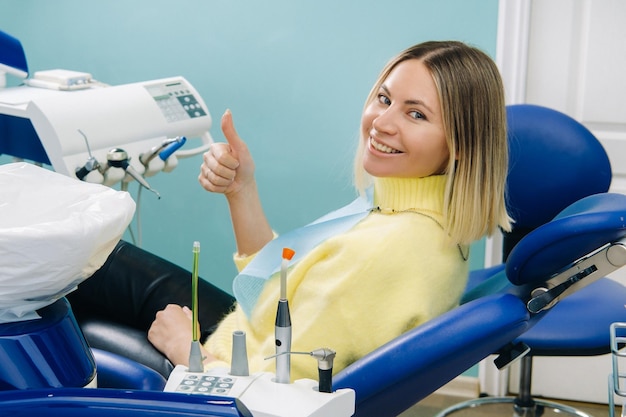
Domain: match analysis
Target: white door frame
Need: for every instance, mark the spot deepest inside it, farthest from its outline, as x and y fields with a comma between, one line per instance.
x=512, y=60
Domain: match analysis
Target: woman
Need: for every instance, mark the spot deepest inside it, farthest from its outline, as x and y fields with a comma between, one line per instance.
x=433, y=149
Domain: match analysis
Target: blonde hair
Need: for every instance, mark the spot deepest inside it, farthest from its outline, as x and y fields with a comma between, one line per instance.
x=474, y=117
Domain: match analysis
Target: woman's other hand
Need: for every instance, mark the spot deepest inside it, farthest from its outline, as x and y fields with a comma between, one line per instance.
x=171, y=334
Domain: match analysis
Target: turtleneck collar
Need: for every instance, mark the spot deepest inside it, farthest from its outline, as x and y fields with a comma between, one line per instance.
x=422, y=194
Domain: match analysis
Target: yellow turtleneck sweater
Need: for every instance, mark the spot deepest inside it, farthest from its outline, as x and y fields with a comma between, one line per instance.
x=393, y=271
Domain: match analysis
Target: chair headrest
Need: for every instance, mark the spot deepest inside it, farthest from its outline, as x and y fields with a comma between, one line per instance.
x=581, y=228
x=554, y=161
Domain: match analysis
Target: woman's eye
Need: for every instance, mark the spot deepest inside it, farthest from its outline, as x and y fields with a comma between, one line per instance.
x=383, y=99
x=416, y=115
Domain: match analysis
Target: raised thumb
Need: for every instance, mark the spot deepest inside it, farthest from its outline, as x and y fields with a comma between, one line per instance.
x=230, y=133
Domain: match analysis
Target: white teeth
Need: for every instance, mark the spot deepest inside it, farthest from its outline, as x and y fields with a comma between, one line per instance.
x=383, y=148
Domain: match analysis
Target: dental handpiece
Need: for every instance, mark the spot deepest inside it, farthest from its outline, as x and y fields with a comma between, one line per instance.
x=164, y=150
x=282, y=328
x=118, y=158
x=325, y=358
x=92, y=163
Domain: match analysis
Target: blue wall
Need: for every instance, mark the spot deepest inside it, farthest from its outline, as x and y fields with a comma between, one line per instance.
x=294, y=73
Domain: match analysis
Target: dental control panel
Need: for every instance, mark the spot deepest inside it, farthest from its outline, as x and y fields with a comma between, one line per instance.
x=177, y=101
x=262, y=395
x=207, y=384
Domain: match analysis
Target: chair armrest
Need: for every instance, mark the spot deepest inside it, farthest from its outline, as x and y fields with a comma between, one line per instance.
x=412, y=366
x=117, y=338
x=580, y=229
x=115, y=371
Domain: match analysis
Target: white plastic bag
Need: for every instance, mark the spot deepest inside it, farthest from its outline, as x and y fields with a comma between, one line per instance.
x=55, y=231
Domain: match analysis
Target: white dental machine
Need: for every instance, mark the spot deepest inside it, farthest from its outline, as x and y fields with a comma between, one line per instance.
x=96, y=132
x=102, y=133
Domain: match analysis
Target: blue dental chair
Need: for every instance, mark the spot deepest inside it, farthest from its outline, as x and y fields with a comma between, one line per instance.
x=411, y=367
x=577, y=165
x=554, y=162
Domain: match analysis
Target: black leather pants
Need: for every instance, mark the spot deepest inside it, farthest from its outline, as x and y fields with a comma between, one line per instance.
x=117, y=304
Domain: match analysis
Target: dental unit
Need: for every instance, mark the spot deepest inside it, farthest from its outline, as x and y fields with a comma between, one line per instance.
x=264, y=394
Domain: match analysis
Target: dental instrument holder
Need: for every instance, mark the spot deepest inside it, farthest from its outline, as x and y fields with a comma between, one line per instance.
x=239, y=362
x=118, y=158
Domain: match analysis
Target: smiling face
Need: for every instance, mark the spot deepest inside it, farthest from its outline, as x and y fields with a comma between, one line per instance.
x=403, y=126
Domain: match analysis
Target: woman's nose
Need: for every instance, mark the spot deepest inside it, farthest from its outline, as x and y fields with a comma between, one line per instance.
x=385, y=122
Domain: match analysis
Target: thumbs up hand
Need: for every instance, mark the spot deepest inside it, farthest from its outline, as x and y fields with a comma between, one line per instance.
x=227, y=167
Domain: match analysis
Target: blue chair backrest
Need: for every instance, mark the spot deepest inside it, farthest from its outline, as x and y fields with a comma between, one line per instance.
x=553, y=161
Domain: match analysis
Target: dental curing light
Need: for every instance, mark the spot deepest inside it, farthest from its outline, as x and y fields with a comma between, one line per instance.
x=282, y=327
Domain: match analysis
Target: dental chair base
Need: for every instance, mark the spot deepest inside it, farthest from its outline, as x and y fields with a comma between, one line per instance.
x=262, y=395
x=49, y=352
x=524, y=405
x=536, y=409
